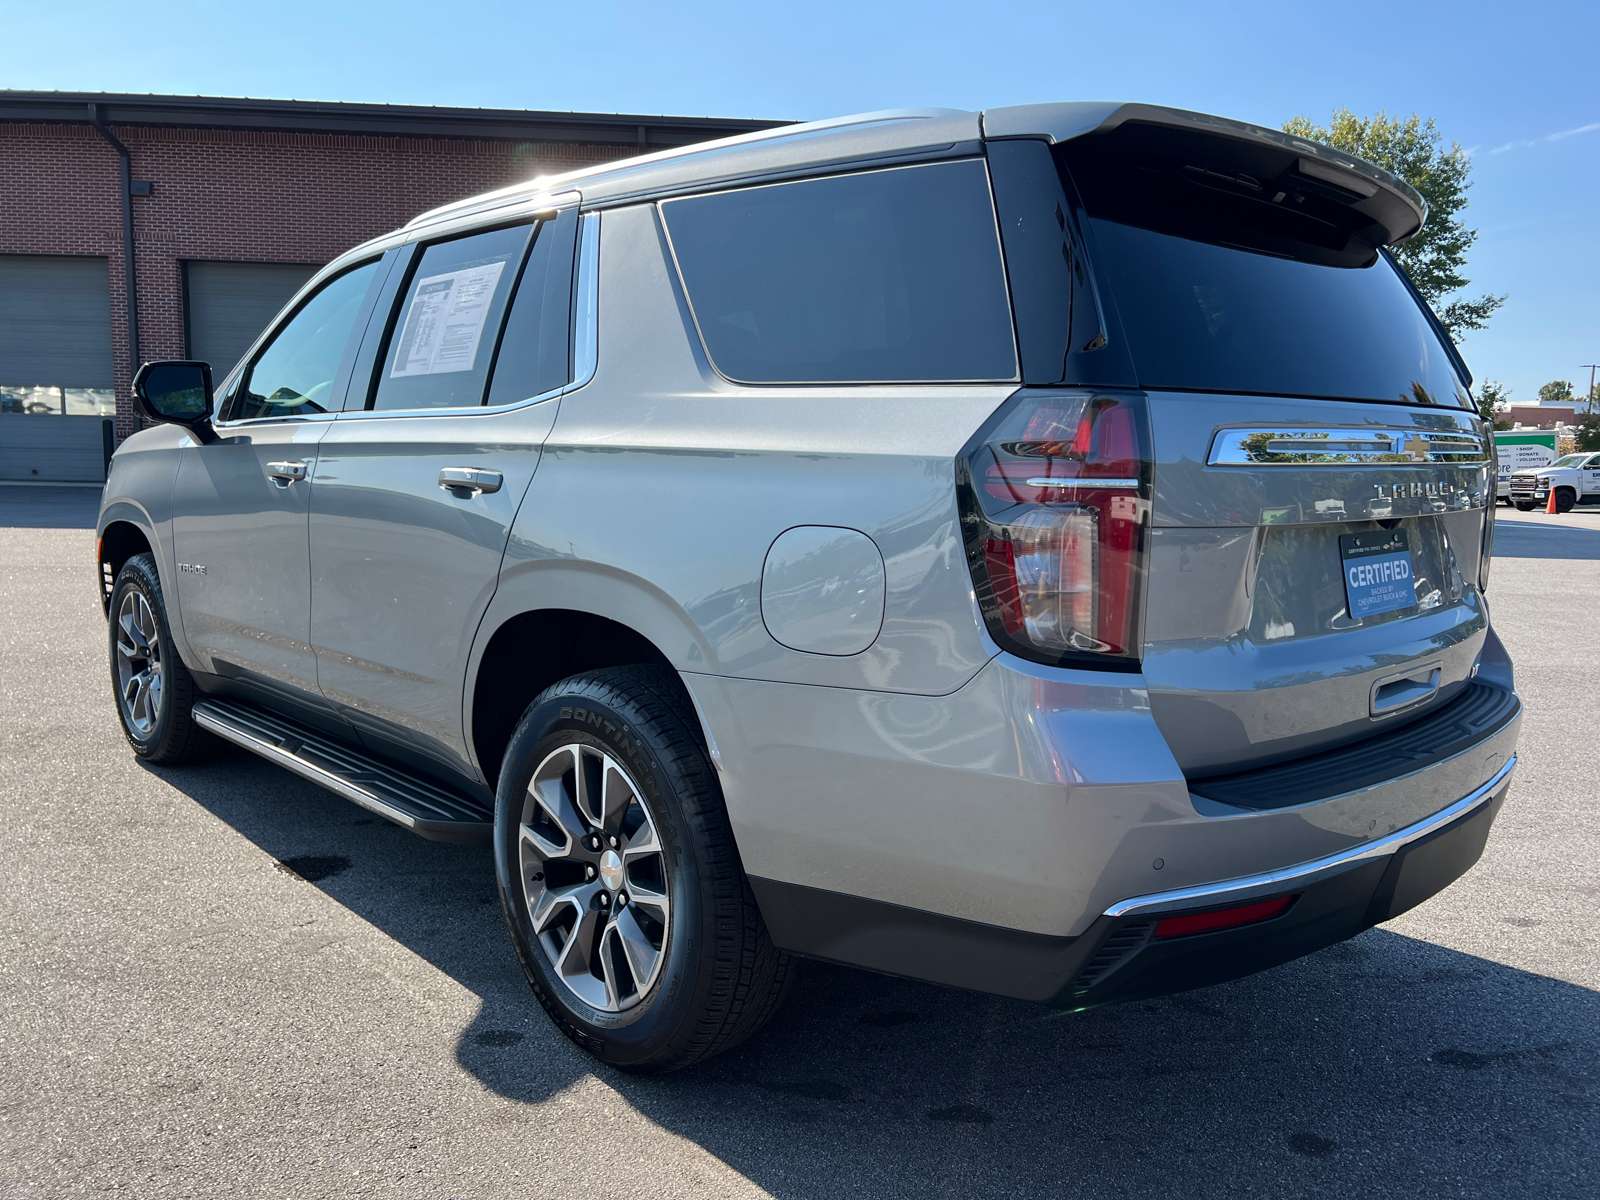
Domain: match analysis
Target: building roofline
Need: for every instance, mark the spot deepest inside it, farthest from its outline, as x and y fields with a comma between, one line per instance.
x=380, y=120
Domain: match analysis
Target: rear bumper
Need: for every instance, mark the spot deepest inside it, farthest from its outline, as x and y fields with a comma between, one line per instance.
x=1122, y=956
x=1332, y=899
x=997, y=838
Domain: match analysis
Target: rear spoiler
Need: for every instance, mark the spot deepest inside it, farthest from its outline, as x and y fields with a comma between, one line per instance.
x=1389, y=203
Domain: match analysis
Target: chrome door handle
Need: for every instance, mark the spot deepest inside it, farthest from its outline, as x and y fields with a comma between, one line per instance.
x=465, y=483
x=285, y=473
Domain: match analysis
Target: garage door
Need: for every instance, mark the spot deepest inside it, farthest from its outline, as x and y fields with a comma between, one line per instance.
x=54, y=449
x=55, y=321
x=230, y=303
x=55, y=366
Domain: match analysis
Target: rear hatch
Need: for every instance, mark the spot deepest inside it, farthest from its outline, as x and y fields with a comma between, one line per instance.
x=1251, y=650
x=1299, y=395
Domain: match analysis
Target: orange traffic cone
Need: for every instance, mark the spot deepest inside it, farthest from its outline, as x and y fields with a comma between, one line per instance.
x=1551, y=507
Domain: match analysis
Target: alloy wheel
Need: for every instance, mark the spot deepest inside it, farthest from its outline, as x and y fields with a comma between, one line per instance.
x=138, y=663
x=594, y=877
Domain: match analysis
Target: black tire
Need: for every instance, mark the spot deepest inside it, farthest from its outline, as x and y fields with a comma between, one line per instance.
x=1566, y=498
x=166, y=733
x=1523, y=505
x=719, y=978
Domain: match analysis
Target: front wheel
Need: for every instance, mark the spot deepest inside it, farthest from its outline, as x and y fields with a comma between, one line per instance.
x=1565, y=499
x=155, y=692
x=620, y=879
x=1523, y=505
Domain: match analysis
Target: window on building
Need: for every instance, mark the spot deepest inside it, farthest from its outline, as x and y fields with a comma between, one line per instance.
x=44, y=400
x=294, y=375
x=882, y=276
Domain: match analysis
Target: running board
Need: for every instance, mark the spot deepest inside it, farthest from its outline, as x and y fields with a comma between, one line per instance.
x=431, y=809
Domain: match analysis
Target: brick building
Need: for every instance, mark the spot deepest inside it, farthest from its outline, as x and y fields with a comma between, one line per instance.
x=1543, y=416
x=230, y=205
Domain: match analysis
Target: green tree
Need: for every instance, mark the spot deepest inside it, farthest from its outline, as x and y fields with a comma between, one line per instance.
x=1490, y=395
x=1589, y=431
x=1557, y=391
x=1411, y=148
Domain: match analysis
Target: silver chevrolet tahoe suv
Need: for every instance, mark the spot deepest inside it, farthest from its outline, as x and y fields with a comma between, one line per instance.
x=1040, y=551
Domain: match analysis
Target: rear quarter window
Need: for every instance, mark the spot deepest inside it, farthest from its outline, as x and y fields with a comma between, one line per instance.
x=879, y=277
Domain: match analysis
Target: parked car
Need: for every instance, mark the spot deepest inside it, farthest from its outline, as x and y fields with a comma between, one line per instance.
x=1040, y=551
x=1573, y=477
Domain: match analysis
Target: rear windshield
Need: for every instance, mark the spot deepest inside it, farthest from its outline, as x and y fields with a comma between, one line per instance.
x=883, y=276
x=1232, y=270
x=1213, y=318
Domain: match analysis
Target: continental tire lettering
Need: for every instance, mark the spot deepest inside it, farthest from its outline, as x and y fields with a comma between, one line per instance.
x=566, y=714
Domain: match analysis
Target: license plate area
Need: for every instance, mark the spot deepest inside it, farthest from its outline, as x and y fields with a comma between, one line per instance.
x=1377, y=570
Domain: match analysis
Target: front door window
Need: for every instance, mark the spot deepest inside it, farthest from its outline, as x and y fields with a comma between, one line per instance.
x=295, y=373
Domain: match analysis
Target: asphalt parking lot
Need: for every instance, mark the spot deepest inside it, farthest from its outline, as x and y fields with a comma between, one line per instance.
x=180, y=1015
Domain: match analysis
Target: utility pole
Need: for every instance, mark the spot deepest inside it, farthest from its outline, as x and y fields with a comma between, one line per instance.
x=1591, y=367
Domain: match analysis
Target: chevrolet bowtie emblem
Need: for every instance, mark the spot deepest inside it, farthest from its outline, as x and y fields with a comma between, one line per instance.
x=1417, y=448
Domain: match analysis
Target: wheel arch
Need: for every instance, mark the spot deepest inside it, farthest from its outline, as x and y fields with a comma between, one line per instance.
x=527, y=652
x=120, y=539
x=553, y=617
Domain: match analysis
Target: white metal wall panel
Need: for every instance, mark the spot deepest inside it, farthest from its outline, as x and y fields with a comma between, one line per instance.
x=55, y=321
x=229, y=303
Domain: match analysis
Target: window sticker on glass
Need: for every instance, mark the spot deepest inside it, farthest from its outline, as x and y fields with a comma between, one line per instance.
x=1377, y=572
x=445, y=321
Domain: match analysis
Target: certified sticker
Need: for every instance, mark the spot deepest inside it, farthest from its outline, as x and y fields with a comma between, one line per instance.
x=1377, y=572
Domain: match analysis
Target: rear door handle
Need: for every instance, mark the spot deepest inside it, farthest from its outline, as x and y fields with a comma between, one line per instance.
x=285, y=473
x=465, y=483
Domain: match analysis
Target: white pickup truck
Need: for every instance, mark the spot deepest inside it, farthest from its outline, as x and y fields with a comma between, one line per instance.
x=1574, y=478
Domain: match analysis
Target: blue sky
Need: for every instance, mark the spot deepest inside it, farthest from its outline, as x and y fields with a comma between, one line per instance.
x=1516, y=84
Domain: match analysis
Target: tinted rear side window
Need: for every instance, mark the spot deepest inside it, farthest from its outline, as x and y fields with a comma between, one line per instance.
x=885, y=276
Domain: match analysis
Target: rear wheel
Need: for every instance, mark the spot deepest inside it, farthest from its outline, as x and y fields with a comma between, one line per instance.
x=1565, y=499
x=155, y=692
x=620, y=879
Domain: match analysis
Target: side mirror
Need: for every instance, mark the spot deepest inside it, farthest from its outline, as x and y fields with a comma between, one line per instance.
x=176, y=393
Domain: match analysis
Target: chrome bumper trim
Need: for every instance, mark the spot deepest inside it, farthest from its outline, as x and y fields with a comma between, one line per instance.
x=1248, y=887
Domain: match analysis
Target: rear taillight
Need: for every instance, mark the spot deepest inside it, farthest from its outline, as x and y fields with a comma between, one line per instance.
x=1055, y=499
